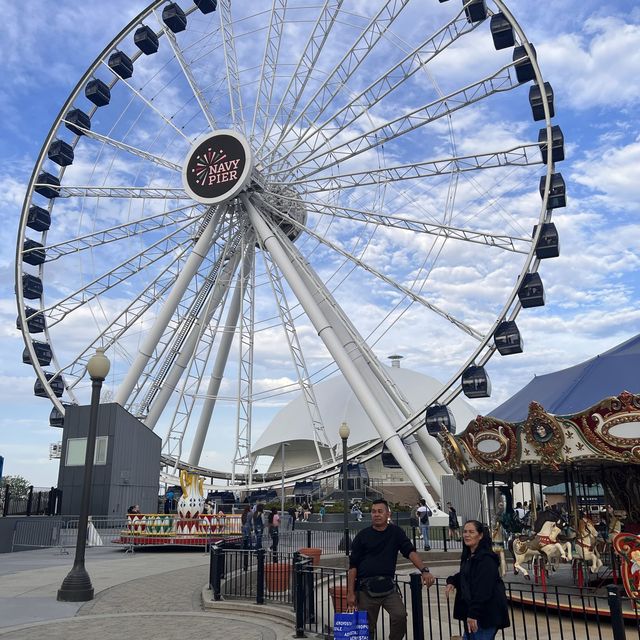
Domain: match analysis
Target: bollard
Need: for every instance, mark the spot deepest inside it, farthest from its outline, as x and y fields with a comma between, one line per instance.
x=7, y=497
x=413, y=536
x=444, y=537
x=215, y=574
x=260, y=553
x=299, y=597
x=308, y=537
x=615, y=606
x=417, y=614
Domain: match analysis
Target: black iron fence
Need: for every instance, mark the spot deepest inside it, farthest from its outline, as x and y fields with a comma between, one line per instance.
x=37, y=501
x=316, y=593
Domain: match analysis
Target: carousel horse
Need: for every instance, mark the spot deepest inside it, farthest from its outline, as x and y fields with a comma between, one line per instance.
x=587, y=544
x=498, y=545
x=543, y=544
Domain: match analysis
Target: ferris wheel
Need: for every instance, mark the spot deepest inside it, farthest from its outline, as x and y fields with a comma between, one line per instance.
x=239, y=201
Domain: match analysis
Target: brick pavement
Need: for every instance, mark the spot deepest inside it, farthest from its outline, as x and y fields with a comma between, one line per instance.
x=162, y=605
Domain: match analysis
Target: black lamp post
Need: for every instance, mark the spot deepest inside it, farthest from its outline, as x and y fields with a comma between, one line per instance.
x=344, y=435
x=77, y=587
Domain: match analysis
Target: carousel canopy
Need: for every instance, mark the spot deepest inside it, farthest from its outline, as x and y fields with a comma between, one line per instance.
x=571, y=390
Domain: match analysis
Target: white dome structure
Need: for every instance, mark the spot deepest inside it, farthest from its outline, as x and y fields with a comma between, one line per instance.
x=337, y=403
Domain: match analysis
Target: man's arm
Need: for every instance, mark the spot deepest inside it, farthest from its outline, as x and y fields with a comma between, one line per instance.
x=427, y=578
x=352, y=574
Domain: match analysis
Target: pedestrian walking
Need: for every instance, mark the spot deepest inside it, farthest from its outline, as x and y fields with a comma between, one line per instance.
x=258, y=524
x=372, y=566
x=480, y=598
x=424, y=513
x=292, y=518
x=246, y=520
x=321, y=513
x=274, y=532
x=454, y=525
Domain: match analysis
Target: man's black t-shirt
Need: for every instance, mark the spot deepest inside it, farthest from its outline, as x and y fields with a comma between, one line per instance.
x=375, y=553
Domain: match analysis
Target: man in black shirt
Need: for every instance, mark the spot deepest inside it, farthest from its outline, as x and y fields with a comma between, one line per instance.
x=372, y=566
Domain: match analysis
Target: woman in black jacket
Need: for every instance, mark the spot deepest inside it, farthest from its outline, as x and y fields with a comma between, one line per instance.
x=480, y=601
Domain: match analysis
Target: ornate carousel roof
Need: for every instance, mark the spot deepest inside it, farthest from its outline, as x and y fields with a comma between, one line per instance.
x=606, y=434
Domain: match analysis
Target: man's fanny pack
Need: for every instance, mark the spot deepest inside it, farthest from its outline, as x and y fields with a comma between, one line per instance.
x=378, y=586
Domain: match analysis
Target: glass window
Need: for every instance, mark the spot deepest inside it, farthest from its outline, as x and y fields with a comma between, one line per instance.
x=77, y=449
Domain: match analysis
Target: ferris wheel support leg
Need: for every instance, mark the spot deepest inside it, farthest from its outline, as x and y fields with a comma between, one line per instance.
x=387, y=394
x=145, y=351
x=328, y=335
x=216, y=376
x=189, y=347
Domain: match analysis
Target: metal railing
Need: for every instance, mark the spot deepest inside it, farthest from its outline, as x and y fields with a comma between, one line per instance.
x=129, y=533
x=316, y=593
x=37, y=501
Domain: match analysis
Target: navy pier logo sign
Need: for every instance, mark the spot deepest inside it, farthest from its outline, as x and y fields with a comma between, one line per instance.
x=217, y=167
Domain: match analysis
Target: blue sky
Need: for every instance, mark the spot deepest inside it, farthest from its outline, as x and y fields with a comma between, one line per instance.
x=588, y=50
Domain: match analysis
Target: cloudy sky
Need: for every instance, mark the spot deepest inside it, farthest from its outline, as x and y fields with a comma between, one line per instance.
x=589, y=51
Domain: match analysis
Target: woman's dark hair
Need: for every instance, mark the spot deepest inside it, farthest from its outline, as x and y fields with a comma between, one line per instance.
x=485, y=541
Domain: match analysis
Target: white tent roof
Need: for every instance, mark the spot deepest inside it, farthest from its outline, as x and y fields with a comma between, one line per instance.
x=337, y=403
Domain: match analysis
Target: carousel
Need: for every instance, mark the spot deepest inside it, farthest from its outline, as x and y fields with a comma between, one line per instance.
x=598, y=445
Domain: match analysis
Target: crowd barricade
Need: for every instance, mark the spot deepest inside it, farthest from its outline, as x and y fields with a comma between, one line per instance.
x=129, y=532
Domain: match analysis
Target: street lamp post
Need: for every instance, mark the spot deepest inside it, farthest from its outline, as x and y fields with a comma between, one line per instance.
x=344, y=435
x=282, y=446
x=77, y=587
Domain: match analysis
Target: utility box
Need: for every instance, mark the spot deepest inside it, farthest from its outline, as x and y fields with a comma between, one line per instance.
x=126, y=463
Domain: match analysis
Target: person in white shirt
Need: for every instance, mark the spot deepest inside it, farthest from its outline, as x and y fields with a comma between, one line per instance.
x=423, y=514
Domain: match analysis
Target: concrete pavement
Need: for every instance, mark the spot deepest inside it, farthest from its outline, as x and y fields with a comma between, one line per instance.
x=149, y=595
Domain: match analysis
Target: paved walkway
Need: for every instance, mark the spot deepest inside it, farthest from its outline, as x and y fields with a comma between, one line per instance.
x=148, y=595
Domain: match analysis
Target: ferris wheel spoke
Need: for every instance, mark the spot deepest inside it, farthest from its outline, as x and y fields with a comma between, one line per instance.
x=273, y=42
x=149, y=104
x=117, y=275
x=388, y=82
x=231, y=65
x=521, y=156
x=501, y=241
x=117, y=144
x=340, y=76
x=302, y=73
x=319, y=433
x=499, y=81
x=378, y=274
x=78, y=191
x=122, y=324
x=123, y=231
x=189, y=77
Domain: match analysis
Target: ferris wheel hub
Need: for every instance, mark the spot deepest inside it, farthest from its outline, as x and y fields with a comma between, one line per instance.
x=217, y=167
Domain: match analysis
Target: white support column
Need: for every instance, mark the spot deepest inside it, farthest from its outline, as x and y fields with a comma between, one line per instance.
x=216, y=377
x=189, y=347
x=147, y=348
x=327, y=334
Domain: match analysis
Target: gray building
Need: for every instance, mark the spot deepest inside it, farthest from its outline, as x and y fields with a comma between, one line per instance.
x=126, y=463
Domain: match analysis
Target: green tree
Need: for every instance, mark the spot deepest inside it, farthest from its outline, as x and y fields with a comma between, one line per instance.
x=18, y=486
